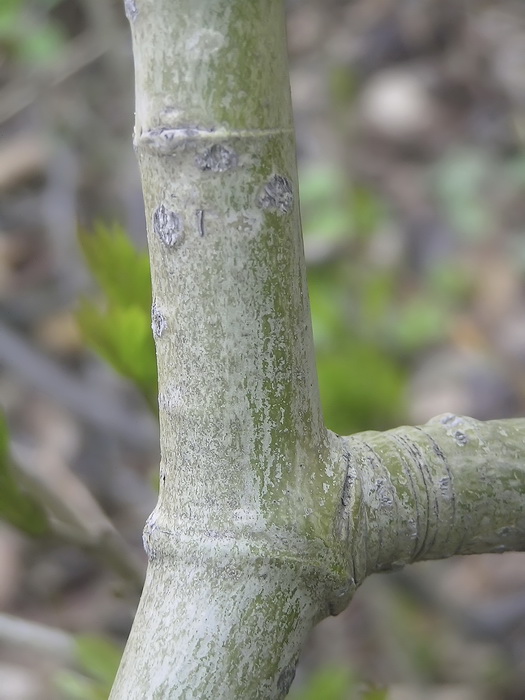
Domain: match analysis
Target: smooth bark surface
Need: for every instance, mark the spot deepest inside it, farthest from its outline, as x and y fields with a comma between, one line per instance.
x=266, y=521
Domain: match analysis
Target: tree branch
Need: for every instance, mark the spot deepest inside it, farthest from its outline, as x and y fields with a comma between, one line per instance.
x=41, y=639
x=266, y=522
x=453, y=486
x=93, y=404
x=242, y=435
x=74, y=513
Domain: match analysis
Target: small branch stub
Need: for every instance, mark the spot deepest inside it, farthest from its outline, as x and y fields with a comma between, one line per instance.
x=168, y=226
x=277, y=195
x=217, y=159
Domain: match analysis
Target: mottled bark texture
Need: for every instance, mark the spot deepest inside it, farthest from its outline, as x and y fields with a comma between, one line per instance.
x=266, y=521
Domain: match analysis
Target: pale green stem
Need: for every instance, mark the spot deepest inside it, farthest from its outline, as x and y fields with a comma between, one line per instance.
x=240, y=419
x=242, y=542
x=452, y=486
x=266, y=522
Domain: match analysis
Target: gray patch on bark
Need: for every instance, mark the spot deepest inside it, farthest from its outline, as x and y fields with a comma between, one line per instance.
x=169, y=140
x=168, y=226
x=384, y=493
x=460, y=438
x=158, y=322
x=341, y=598
x=130, y=8
x=450, y=419
x=217, y=159
x=200, y=221
x=444, y=485
x=277, y=195
x=148, y=536
x=350, y=480
x=286, y=678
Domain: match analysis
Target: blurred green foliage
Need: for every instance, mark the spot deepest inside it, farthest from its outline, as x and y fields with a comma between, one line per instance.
x=337, y=683
x=27, y=32
x=361, y=384
x=97, y=659
x=361, y=380
x=118, y=326
x=334, y=208
x=16, y=505
x=462, y=180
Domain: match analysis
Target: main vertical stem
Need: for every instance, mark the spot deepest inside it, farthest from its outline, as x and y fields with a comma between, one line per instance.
x=240, y=547
x=239, y=407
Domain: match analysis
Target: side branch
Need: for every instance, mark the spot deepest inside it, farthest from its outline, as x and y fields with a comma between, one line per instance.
x=452, y=486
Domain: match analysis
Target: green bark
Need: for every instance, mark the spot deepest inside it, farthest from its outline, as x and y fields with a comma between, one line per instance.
x=452, y=486
x=266, y=521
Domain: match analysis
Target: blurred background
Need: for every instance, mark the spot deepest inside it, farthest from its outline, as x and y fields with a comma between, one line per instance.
x=410, y=120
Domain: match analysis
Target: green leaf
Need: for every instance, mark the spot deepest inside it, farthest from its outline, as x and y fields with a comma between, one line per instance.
x=361, y=387
x=335, y=208
x=122, y=336
x=337, y=683
x=41, y=46
x=73, y=686
x=324, y=202
x=461, y=180
x=330, y=683
x=121, y=270
x=26, y=34
x=367, y=211
x=362, y=384
x=99, y=657
x=119, y=329
x=421, y=322
x=320, y=184
x=16, y=506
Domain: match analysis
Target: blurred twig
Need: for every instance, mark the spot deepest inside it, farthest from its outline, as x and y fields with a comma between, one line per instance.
x=75, y=513
x=37, y=638
x=21, y=158
x=76, y=55
x=105, y=23
x=88, y=402
x=490, y=620
x=319, y=252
